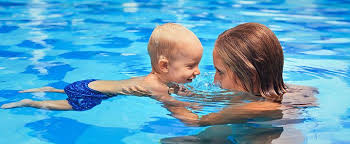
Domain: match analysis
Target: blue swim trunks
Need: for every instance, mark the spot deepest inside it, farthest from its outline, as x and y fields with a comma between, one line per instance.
x=81, y=97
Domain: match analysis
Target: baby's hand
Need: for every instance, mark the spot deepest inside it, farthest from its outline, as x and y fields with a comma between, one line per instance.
x=135, y=90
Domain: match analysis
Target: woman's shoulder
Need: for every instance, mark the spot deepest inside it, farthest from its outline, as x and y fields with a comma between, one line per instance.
x=301, y=89
x=300, y=96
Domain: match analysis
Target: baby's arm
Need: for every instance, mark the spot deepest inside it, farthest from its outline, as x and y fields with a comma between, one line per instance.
x=170, y=101
x=125, y=87
x=183, y=114
x=179, y=109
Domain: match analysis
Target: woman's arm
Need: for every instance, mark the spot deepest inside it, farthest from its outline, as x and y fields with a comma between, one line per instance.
x=231, y=114
x=228, y=115
x=239, y=114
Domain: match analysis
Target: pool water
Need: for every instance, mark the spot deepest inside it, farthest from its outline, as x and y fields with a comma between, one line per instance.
x=51, y=42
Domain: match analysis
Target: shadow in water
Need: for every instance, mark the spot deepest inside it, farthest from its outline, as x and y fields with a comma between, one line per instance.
x=61, y=130
x=167, y=126
x=235, y=133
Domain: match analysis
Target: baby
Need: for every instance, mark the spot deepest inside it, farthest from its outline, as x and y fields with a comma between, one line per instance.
x=175, y=53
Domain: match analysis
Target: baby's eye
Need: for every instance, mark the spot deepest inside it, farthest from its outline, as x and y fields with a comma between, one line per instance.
x=190, y=66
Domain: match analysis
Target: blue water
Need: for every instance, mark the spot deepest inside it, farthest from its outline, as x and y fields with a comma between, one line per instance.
x=51, y=42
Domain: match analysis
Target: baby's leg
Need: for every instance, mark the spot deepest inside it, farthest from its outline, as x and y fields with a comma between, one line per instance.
x=43, y=89
x=51, y=105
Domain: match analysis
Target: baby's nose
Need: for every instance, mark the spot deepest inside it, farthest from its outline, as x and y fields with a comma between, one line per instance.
x=197, y=71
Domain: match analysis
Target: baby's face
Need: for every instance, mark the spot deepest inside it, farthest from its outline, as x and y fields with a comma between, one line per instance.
x=184, y=66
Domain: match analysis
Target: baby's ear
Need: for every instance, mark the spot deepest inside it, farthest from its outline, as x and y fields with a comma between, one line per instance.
x=163, y=64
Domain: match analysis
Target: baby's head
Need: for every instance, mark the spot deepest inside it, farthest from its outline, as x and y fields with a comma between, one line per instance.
x=175, y=53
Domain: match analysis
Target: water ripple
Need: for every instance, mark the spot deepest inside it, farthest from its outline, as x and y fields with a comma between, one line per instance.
x=333, y=40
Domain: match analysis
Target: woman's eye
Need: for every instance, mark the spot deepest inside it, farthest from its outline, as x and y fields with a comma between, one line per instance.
x=220, y=72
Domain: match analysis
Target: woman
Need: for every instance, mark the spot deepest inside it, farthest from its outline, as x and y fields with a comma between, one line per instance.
x=249, y=58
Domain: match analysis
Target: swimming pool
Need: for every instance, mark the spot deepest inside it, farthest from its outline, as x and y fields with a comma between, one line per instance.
x=48, y=42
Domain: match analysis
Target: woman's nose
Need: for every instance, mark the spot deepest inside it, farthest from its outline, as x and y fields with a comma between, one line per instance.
x=216, y=78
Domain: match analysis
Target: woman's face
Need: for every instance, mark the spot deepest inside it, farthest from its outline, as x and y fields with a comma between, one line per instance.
x=224, y=76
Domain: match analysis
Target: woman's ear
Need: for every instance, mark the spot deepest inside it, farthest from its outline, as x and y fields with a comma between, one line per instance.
x=163, y=64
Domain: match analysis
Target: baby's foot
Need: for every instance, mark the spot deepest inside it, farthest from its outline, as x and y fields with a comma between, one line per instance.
x=22, y=103
x=43, y=89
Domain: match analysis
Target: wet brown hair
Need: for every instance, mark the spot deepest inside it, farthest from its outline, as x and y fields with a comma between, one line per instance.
x=252, y=52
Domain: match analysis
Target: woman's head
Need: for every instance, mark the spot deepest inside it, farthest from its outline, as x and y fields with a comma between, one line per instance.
x=249, y=58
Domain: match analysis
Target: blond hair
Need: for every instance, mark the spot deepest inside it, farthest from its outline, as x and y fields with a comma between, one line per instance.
x=162, y=42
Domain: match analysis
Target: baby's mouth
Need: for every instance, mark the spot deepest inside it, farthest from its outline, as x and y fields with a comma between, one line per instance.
x=190, y=79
